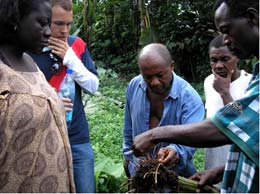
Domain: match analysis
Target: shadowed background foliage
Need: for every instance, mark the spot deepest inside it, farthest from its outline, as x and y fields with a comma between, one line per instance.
x=116, y=30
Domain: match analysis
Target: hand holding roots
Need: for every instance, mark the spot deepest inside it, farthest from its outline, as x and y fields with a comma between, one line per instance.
x=155, y=177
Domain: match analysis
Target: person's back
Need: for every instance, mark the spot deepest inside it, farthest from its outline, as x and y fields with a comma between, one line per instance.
x=65, y=51
x=225, y=84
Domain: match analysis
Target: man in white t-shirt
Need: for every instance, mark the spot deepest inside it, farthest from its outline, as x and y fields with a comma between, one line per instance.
x=226, y=84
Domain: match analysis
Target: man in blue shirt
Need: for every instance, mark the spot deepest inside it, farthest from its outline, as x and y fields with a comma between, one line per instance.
x=238, y=122
x=159, y=97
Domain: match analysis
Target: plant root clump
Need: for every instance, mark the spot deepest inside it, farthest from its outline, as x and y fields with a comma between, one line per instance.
x=154, y=177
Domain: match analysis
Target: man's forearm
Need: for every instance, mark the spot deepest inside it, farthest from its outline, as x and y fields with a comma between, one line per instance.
x=86, y=79
x=200, y=134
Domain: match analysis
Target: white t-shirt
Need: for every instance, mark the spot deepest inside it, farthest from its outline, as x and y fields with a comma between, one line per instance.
x=217, y=156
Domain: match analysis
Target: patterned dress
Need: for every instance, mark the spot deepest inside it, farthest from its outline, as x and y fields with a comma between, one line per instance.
x=35, y=153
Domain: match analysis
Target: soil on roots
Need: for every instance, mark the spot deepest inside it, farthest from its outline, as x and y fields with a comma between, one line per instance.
x=154, y=177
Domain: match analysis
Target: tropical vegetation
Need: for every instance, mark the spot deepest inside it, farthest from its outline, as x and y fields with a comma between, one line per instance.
x=116, y=30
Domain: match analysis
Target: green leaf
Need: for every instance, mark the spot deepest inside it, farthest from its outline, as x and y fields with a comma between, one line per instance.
x=116, y=60
x=115, y=170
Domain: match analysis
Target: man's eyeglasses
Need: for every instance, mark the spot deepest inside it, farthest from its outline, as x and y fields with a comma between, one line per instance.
x=56, y=65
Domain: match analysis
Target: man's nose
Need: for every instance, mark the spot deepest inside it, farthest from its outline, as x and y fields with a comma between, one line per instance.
x=65, y=29
x=219, y=64
x=47, y=31
x=155, y=81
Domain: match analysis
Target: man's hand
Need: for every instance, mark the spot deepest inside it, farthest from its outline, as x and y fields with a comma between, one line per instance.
x=142, y=143
x=58, y=47
x=168, y=155
x=208, y=177
x=222, y=86
x=67, y=104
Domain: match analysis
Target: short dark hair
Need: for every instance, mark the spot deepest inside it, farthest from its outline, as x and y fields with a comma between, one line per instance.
x=238, y=7
x=11, y=12
x=217, y=42
x=65, y=4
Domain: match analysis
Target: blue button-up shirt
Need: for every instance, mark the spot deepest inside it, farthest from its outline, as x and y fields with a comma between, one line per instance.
x=183, y=105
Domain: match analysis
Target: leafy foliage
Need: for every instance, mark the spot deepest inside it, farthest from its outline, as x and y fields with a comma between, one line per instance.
x=199, y=159
x=112, y=35
x=117, y=29
x=105, y=116
x=199, y=88
x=186, y=35
x=107, y=174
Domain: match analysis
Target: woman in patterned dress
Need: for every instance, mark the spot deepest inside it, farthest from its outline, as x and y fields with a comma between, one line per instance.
x=35, y=153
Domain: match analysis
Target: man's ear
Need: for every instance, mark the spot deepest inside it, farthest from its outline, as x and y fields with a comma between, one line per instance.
x=253, y=15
